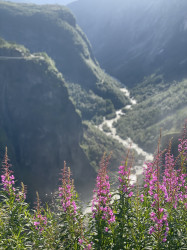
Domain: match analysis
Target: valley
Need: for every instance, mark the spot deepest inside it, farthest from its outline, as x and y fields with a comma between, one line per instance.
x=123, y=85
x=93, y=124
x=127, y=143
x=149, y=59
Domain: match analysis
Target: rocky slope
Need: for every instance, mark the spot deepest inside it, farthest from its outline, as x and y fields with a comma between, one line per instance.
x=38, y=122
x=133, y=39
x=53, y=29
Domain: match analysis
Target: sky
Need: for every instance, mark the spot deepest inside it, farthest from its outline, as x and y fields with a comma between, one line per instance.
x=44, y=1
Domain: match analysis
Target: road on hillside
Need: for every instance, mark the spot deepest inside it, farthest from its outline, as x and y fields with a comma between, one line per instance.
x=20, y=57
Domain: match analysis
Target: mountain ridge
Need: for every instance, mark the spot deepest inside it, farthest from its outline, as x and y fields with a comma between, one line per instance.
x=53, y=29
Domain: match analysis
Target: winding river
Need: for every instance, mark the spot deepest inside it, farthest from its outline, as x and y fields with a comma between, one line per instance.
x=138, y=168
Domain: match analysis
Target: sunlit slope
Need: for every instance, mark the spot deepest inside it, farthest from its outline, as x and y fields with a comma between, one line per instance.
x=160, y=106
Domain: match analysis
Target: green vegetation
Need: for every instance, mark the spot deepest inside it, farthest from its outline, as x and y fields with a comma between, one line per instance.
x=12, y=49
x=53, y=30
x=160, y=106
x=153, y=216
x=106, y=129
x=28, y=10
x=95, y=142
x=151, y=86
x=91, y=105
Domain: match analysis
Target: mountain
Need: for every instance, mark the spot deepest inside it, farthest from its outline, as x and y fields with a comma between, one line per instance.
x=143, y=44
x=53, y=29
x=134, y=39
x=35, y=123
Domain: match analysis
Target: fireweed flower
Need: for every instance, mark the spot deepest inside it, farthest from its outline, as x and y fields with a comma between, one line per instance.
x=101, y=203
x=150, y=176
x=67, y=192
x=40, y=221
x=182, y=147
x=80, y=241
x=84, y=244
x=70, y=213
x=124, y=180
x=156, y=191
x=142, y=198
x=173, y=182
x=8, y=180
x=21, y=195
x=159, y=217
x=124, y=176
x=88, y=247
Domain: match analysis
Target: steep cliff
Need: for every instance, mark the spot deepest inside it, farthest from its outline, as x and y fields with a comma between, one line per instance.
x=38, y=122
x=53, y=29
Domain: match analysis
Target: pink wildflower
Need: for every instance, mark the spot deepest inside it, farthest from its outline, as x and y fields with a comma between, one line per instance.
x=80, y=241
x=67, y=192
x=40, y=221
x=101, y=201
x=124, y=177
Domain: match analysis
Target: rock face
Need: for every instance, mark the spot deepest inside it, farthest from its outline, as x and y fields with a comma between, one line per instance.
x=133, y=39
x=53, y=29
x=38, y=122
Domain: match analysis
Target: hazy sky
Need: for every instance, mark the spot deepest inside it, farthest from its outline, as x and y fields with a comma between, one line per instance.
x=44, y=1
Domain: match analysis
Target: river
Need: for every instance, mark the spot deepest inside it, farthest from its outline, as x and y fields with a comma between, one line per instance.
x=127, y=143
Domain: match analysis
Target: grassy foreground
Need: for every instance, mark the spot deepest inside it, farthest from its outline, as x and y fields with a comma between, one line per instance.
x=153, y=216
